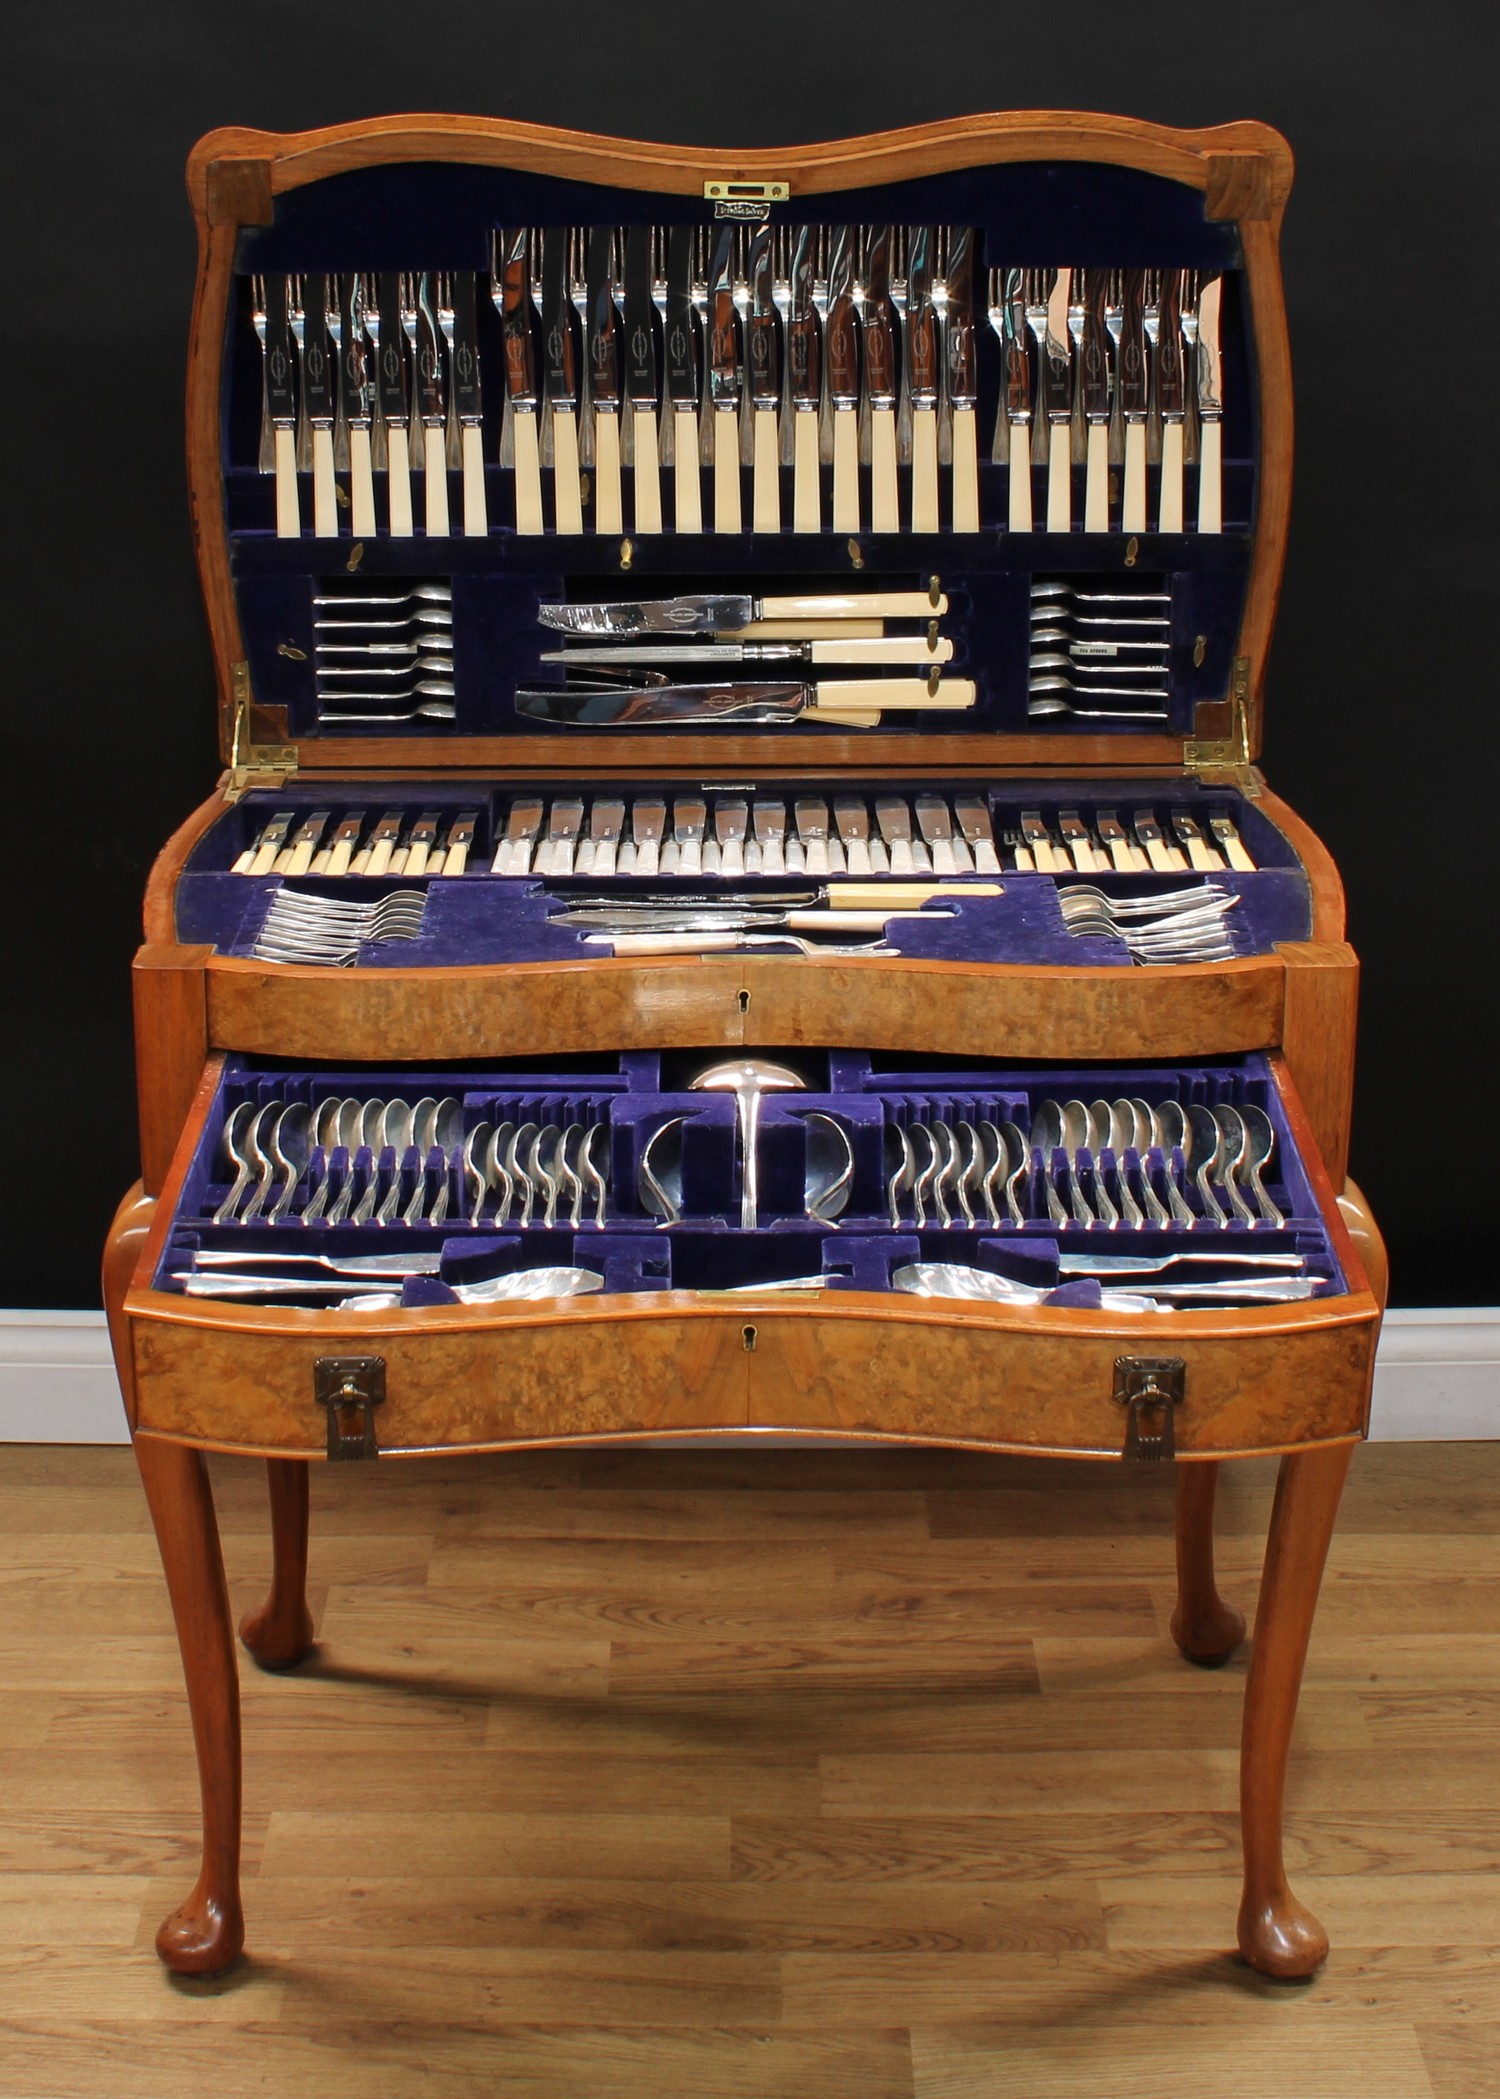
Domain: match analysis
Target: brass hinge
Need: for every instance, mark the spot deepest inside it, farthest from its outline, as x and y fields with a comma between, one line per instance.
x=1225, y=761
x=252, y=764
x=733, y=198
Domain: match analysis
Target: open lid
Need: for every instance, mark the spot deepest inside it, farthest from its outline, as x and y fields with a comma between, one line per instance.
x=401, y=209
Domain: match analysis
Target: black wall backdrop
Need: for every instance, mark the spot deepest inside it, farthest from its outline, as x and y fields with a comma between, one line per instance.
x=1381, y=690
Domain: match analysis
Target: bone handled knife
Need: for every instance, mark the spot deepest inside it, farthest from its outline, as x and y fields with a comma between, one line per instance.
x=1045, y=857
x=725, y=613
x=853, y=823
x=641, y=384
x=962, y=366
x=560, y=368
x=1018, y=397
x=513, y=853
x=1057, y=405
x=1170, y=398
x=281, y=399
x=511, y=287
x=724, y=378
x=1164, y=858
x=893, y=818
x=898, y=649
x=602, y=349
x=1210, y=409
x=1093, y=362
x=878, y=340
x=1200, y=854
x=1230, y=843
x=978, y=831
x=261, y=857
x=764, y=358
x=922, y=377
x=382, y=845
x=339, y=853
x=384, y=324
x=358, y=396
x=456, y=312
x=420, y=844
x=852, y=700
x=1135, y=400
x=805, y=369
x=1125, y=858
x=298, y=857
x=432, y=404
x=935, y=822
x=681, y=348
x=840, y=336
x=459, y=842
x=1076, y=841
x=318, y=399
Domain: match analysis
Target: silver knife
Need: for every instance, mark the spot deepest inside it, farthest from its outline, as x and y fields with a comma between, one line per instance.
x=922, y=378
x=1093, y=360
x=1210, y=409
x=726, y=613
x=807, y=387
x=765, y=384
x=853, y=703
x=894, y=649
x=724, y=380
x=1135, y=400
x=357, y=397
x=561, y=362
x=840, y=338
x=1057, y=400
x=511, y=288
x=1014, y=336
x=601, y=343
x=962, y=367
x=878, y=340
x=433, y=407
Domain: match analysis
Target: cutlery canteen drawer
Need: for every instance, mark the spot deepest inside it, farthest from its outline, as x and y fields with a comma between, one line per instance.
x=424, y=1190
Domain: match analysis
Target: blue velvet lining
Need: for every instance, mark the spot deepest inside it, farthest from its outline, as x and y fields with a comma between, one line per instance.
x=636, y=1092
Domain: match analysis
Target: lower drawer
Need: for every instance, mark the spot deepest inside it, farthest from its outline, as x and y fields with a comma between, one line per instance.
x=776, y=1248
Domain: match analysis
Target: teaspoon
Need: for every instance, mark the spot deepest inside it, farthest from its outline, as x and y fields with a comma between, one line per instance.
x=1231, y=1159
x=830, y=1168
x=899, y=1170
x=1078, y=1136
x=593, y=1169
x=661, y=1173
x=289, y=1148
x=236, y=1131
x=1260, y=1137
x=476, y=1180
x=496, y=1173
x=262, y=1164
x=1169, y=1126
x=993, y=1161
x=1143, y=1137
x=517, y=1164
x=1017, y=1169
x=396, y=1134
x=1120, y=1124
x=1047, y=1137
x=541, y=1166
x=1202, y=1149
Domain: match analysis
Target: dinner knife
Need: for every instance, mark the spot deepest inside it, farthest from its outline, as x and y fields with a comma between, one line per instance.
x=1057, y=404
x=383, y=321
x=804, y=365
x=511, y=262
x=1017, y=380
x=898, y=648
x=1210, y=409
x=961, y=360
x=1135, y=400
x=602, y=349
x=725, y=613
x=1093, y=375
x=922, y=378
x=641, y=383
x=460, y=324
x=840, y=341
x=433, y=407
x=270, y=296
x=513, y=853
x=1170, y=398
x=724, y=378
x=878, y=341
x=357, y=396
x=318, y=401
x=560, y=366
x=764, y=358
x=682, y=377
x=853, y=700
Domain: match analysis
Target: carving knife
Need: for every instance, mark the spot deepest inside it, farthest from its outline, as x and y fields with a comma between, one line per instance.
x=641, y=379
x=1057, y=403
x=433, y=406
x=903, y=648
x=855, y=701
x=560, y=361
x=726, y=613
x=1210, y=410
x=1093, y=363
x=383, y=321
x=878, y=336
x=511, y=284
x=805, y=368
x=1014, y=337
x=765, y=384
x=682, y=376
x=602, y=348
x=1170, y=398
x=1135, y=400
x=281, y=400
x=724, y=380
x=456, y=312
x=963, y=377
x=840, y=340
x=922, y=379
x=358, y=397
x=318, y=401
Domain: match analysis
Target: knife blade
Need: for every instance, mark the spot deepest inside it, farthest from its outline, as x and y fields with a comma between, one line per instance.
x=511, y=281
x=1210, y=409
x=602, y=349
x=356, y=396
x=459, y=319
x=878, y=341
x=805, y=367
x=724, y=379
x=724, y=613
x=318, y=374
x=1093, y=377
x=895, y=649
x=682, y=376
x=840, y=337
x=855, y=701
x=1135, y=400
x=383, y=321
x=764, y=357
x=1171, y=400
x=962, y=366
x=560, y=370
x=270, y=296
x=432, y=406
x=922, y=377
x=641, y=383
x=1015, y=337
x=1057, y=403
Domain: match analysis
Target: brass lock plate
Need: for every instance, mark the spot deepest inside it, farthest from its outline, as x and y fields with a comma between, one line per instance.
x=351, y=1388
x=1150, y=1388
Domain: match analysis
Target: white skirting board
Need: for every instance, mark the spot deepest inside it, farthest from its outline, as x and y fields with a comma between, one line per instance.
x=1437, y=1378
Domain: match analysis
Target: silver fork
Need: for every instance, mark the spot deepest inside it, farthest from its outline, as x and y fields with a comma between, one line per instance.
x=266, y=458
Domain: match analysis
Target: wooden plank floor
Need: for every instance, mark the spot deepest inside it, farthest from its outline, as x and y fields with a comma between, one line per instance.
x=750, y=1773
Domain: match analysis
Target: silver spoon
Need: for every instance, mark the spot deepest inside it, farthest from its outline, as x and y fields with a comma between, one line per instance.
x=1143, y=1137
x=1017, y=1170
x=517, y=1164
x=747, y=1079
x=1078, y=1137
x=447, y=1130
x=566, y=1166
x=262, y=1163
x=236, y=1132
x=899, y=1171
x=423, y=1136
x=1169, y=1125
x=496, y=1173
x=351, y=1124
x=1047, y=1137
x=594, y=1169
x=429, y=710
x=661, y=1172
x=476, y=1180
x=541, y=1166
x=1120, y=1128
x=926, y=1164
x=395, y=1134
x=970, y=1170
x=947, y=1170
x=1260, y=1136
x=1202, y=1147
x=324, y=1136
x=1231, y=1156
x=993, y=1161
x=830, y=1168
x=289, y=1147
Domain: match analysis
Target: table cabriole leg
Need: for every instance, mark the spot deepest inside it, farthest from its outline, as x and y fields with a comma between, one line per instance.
x=1278, y=1934
x=205, y=1935
x=280, y=1633
x=1206, y=1629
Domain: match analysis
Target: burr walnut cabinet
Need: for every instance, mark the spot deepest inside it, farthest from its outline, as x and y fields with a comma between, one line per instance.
x=394, y=433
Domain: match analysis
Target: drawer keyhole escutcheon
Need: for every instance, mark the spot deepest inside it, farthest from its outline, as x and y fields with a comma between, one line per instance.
x=1149, y=1387
x=749, y=1337
x=351, y=1388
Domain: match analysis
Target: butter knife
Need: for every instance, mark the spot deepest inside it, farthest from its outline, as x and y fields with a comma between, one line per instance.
x=511, y=285
x=456, y=312
x=878, y=342
x=318, y=400
x=602, y=348
x=432, y=404
x=269, y=295
x=1210, y=409
x=682, y=376
x=840, y=342
x=1093, y=361
x=1018, y=396
x=383, y=322
x=357, y=397
x=922, y=378
x=1170, y=398
x=724, y=379
x=1057, y=402
x=961, y=363
x=560, y=367
x=641, y=383
x=805, y=368
x=765, y=384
